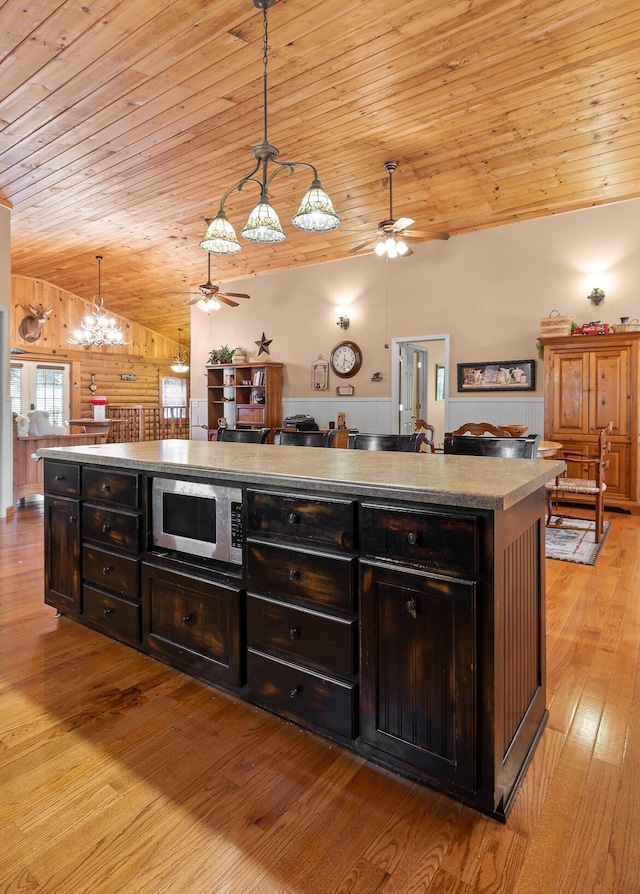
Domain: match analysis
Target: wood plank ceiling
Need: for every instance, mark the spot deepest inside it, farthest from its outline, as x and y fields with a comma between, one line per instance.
x=122, y=123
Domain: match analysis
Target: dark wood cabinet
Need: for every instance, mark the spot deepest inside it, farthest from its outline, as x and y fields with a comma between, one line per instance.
x=418, y=676
x=302, y=630
x=193, y=623
x=62, y=569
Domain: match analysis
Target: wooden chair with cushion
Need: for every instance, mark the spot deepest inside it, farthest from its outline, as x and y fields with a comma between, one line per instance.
x=592, y=486
x=397, y=443
x=505, y=447
x=304, y=438
x=243, y=435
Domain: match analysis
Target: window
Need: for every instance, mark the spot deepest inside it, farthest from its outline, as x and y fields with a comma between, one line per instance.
x=174, y=398
x=40, y=386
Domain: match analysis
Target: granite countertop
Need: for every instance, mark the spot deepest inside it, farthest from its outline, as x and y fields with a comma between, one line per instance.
x=474, y=482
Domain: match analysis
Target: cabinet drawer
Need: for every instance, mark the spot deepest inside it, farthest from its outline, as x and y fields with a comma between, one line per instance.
x=111, y=528
x=320, y=639
x=426, y=538
x=302, y=574
x=250, y=415
x=193, y=623
x=311, y=519
x=111, y=614
x=111, y=571
x=107, y=486
x=62, y=479
x=297, y=692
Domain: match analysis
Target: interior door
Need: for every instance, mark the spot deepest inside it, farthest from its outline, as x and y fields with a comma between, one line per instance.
x=413, y=386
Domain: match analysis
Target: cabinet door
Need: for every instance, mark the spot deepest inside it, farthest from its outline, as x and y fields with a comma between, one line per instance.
x=193, y=623
x=62, y=554
x=569, y=375
x=609, y=390
x=418, y=675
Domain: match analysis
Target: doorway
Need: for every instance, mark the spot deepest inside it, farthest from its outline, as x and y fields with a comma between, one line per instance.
x=420, y=382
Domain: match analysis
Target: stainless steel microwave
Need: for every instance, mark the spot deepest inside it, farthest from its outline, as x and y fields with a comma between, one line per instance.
x=197, y=519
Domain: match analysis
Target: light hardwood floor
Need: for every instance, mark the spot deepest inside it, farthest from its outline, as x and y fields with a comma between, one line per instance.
x=119, y=775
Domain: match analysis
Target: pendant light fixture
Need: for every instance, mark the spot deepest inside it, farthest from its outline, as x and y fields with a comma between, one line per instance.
x=316, y=213
x=98, y=328
x=179, y=364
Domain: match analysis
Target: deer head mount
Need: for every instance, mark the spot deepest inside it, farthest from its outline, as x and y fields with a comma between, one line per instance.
x=32, y=325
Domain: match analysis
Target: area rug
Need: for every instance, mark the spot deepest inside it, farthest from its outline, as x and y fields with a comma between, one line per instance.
x=570, y=545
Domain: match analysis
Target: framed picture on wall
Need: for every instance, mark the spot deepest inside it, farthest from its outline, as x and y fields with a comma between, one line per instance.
x=439, y=381
x=500, y=375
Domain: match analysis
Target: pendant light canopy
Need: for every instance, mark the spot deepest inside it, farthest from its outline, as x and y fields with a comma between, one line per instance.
x=316, y=213
x=98, y=328
x=180, y=364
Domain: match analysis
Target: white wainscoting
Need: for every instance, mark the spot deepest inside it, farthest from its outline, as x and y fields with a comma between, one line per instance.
x=498, y=411
x=369, y=414
x=376, y=414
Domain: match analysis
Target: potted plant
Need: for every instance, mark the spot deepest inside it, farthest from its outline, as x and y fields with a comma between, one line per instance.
x=222, y=354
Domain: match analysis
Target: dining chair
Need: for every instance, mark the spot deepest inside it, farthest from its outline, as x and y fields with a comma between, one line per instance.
x=304, y=438
x=594, y=465
x=428, y=433
x=397, y=443
x=243, y=435
x=505, y=447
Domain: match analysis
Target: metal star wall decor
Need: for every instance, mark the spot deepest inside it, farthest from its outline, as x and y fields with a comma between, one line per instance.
x=263, y=344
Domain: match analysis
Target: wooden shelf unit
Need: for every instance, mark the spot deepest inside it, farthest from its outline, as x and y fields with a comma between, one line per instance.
x=248, y=395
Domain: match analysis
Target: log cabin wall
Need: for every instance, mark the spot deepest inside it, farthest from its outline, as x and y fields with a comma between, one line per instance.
x=148, y=357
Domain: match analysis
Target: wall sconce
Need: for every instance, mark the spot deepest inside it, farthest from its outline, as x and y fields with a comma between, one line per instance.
x=596, y=296
x=343, y=321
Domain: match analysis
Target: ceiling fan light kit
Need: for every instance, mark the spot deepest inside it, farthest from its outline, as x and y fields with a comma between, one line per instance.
x=97, y=328
x=316, y=213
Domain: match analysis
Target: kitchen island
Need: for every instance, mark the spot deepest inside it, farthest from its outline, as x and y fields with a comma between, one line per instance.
x=393, y=603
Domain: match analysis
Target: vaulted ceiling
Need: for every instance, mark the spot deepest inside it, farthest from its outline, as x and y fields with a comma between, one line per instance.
x=123, y=122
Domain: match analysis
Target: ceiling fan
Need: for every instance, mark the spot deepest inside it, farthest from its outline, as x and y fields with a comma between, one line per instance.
x=211, y=294
x=391, y=233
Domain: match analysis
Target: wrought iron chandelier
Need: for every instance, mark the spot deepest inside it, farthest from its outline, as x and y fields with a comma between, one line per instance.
x=316, y=213
x=97, y=328
x=180, y=364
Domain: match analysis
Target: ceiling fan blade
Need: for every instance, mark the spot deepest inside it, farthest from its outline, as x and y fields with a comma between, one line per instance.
x=235, y=294
x=403, y=222
x=422, y=234
x=225, y=300
x=361, y=246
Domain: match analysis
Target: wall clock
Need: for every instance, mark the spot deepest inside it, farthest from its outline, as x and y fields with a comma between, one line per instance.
x=346, y=359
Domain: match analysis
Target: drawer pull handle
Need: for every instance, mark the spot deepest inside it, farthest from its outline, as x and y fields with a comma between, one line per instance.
x=411, y=607
x=58, y=477
x=295, y=692
x=293, y=574
x=106, y=528
x=292, y=518
x=187, y=619
x=295, y=631
x=73, y=519
x=105, y=487
x=107, y=612
x=412, y=538
x=106, y=570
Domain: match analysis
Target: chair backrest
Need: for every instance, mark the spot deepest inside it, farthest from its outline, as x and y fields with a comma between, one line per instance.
x=398, y=443
x=507, y=447
x=243, y=435
x=428, y=433
x=482, y=428
x=304, y=438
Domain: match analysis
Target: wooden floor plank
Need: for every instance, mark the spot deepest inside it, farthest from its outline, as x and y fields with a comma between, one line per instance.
x=120, y=774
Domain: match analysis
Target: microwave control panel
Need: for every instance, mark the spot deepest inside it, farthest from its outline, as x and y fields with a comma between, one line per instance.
x=236, y=525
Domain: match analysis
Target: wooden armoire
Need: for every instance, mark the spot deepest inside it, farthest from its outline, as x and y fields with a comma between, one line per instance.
x=589, y=381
